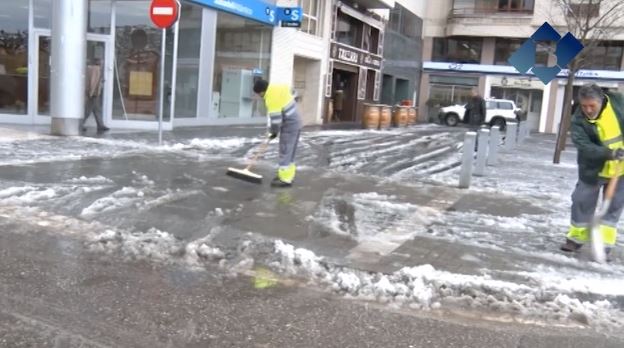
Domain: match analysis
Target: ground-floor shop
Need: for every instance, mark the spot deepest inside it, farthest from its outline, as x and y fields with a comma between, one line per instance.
x=445, y=84
x=212, y=57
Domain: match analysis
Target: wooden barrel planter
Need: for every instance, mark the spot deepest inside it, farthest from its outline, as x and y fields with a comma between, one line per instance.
x=412, y=116
x=385, y=118
x=399, y=117
x=370, y=119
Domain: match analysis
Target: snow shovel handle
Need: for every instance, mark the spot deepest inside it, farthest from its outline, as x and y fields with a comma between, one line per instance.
x=613, y=182
x=261, y=150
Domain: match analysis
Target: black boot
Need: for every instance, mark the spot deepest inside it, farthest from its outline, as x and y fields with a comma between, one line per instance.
x=609, y=254
x=277, y=182
x=570, y=246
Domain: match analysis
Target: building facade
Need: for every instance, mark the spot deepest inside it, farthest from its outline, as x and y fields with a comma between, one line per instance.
x=466, y=46
x=356, y=44
x=402, y=54
x=212, y=56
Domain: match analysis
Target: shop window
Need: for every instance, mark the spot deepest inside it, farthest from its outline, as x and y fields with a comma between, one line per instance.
x=311, y=16
x=99, y=19
x=348, y=30
x=14, y=57
x=504, y=48
x=187, y=77
x=243, y=53
x=42, y=12
x=370, y=39
x=605, y=56
x=136, y=92
x=459, y=50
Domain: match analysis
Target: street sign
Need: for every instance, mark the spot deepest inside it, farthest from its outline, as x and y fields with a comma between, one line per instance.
x=289, y=16
x=164, y=13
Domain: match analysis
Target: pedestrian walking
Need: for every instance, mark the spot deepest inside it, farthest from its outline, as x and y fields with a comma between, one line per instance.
x=283, y=121
x=475, y=111
x=597, y=128
x=93, y=102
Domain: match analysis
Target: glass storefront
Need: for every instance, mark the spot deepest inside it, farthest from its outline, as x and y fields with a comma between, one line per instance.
x=122, y=38
x=14, y=57
x=243, y=53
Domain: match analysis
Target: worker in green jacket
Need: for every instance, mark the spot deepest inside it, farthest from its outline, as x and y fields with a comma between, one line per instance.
x=597, y=134
x=283, y=120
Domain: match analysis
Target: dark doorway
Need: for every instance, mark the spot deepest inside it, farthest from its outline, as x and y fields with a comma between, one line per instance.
x=344, y=91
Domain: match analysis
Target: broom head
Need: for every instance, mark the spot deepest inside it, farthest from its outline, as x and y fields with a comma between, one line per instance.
x=245, y=175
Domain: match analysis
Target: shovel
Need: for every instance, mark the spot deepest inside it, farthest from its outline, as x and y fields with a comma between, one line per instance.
x=598, y=248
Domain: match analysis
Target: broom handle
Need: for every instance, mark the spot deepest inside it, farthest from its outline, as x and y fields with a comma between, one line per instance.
x=260, y=151
x=612, y=185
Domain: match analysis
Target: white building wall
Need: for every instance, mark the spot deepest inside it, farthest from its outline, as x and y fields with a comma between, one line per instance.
x=289, y=43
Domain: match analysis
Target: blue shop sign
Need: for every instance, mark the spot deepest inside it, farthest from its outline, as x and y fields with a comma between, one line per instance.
x=253, y=9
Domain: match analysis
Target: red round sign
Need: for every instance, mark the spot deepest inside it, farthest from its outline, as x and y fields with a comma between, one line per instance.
x=164, y=13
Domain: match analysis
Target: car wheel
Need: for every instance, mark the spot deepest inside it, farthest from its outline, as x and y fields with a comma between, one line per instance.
x=451, y=120
x=500, y=122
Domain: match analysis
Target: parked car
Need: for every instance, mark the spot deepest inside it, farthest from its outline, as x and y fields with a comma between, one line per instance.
x=498, y=113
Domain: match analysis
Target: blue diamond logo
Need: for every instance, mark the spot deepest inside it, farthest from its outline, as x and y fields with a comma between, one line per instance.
x=523, y=59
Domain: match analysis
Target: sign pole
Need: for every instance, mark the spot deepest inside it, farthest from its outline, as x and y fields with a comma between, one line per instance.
x=162, y=85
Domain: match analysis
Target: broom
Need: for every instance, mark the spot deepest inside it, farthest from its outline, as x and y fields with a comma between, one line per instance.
x=598, y=249
x=246, y=174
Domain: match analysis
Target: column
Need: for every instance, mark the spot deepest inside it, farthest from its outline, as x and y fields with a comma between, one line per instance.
x=67, y=94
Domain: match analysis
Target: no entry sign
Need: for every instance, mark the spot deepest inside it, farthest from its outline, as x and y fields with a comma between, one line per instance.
x=164, y=13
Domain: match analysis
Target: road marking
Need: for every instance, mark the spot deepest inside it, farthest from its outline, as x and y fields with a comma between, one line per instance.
x=162, y=11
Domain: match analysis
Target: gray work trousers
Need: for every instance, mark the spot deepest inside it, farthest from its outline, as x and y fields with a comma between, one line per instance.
x=93, y=105
x=585, y=199
x=290, y=131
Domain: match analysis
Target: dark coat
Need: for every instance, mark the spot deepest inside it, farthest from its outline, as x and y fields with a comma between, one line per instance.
x=591, y=153
x=475, y=111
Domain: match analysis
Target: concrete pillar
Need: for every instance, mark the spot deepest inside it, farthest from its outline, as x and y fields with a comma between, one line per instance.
x=494, y=143
x=69, y=41
x=465, y=172
x=482, y=151
x=510, y=136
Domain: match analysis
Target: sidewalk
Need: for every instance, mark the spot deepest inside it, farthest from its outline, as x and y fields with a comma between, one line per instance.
x=367, y=206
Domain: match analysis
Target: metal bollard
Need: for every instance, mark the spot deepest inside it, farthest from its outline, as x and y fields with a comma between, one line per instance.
x=510, y=136
x=523, y=132
x=482, y=151
x=467, y=158
x=495, y=139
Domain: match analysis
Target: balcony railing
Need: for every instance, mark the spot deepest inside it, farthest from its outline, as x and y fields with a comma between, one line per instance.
x=482, y=11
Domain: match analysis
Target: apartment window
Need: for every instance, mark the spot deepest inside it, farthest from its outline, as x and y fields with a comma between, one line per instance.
x=459, y=50
x=311, y=17
x=516, y=5
x=585, y=10
x=605, y=56
x=504, y=48
x=404, y=22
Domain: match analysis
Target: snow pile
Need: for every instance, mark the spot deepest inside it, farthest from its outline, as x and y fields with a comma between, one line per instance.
x=120, y=199
x=153, y=244
x=97, y=180
x=425, y=287
x=26, y=195
x=211, y=144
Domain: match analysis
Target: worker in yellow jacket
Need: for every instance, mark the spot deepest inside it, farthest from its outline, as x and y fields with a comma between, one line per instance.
x=283, y=120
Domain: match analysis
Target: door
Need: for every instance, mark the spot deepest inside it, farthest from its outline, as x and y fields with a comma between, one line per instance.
x=42, y=81
x=96, y=50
